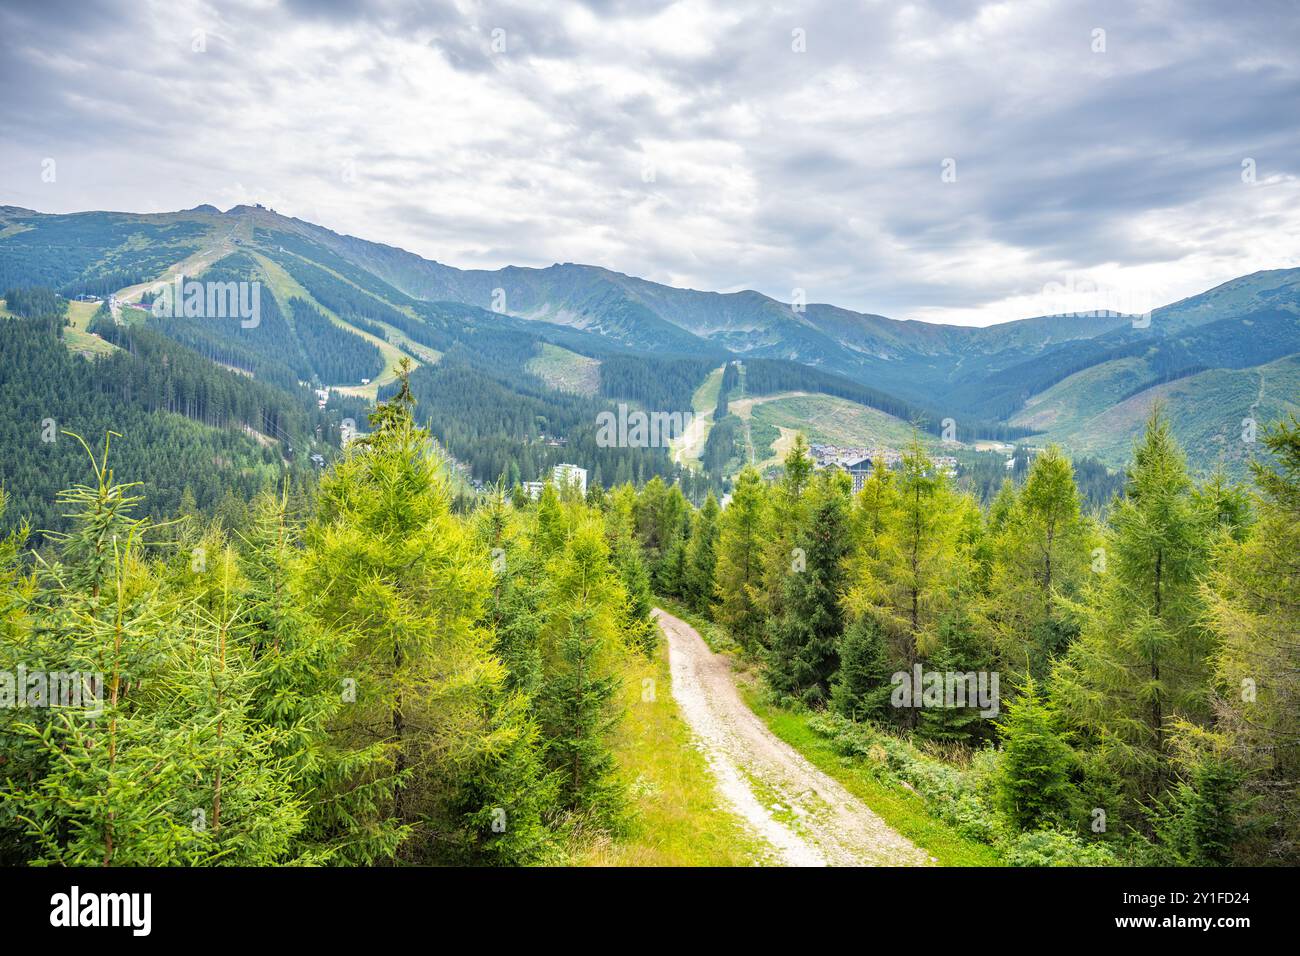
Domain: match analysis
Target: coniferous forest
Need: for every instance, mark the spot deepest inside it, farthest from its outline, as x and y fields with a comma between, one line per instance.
x=361, y=675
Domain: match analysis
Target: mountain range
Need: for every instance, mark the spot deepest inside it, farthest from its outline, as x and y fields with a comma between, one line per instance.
x=1217, y=360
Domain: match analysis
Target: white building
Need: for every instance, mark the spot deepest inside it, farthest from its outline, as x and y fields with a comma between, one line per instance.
x=533, y=489
x=569, y=475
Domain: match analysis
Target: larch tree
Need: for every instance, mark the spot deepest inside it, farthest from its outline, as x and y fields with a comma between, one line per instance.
x=1143, y=656
x=739, y=569
x=1041, y=551
x=1252, y=597
x=785, y=518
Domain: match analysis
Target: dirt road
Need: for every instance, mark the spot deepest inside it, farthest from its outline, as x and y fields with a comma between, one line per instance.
x=807, y=818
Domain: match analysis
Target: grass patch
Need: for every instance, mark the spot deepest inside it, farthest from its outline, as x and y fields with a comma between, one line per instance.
x=679, y=820
x=565, y=371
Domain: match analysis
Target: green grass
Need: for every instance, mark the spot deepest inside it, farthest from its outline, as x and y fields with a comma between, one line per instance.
x=836, y=421
x=679, y=817
x=705, y=398
x=566, y=371
x=75, y=336
x=903, y=810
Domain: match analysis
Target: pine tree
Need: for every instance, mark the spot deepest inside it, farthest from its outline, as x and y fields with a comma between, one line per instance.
x=1033, y=781
x=804, y=654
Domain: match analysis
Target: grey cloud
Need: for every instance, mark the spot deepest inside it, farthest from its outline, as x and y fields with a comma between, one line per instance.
x=1060, y=151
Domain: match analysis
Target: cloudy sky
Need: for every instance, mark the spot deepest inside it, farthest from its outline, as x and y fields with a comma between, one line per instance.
x=943, y=161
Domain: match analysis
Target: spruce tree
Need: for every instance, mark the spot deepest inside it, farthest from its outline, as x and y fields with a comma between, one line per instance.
x=582, y=643
x=163, y=763
x=1033, y=782
x=861, y=687
x=804, y=654
x=960, y=651
x=702, y=556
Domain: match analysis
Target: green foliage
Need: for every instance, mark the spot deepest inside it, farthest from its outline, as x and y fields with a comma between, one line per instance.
x=35, y=302
x=1251, y=608
x=803, y=639
x=960, y=650
x=1142, y=660
x=1200, y=821
x=861, y=688
x=1047, y=847
x=581, y=643
x=337, y=356
x=702, y=556
x=738, y=573
x=1033, y=783
x=391, y=569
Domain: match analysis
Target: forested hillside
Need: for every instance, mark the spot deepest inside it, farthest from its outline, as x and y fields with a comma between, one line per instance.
x=186, y=429
x=308, y=552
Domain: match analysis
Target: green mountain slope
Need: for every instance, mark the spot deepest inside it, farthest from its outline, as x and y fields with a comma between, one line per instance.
x=341, y=310
x=1085, y=415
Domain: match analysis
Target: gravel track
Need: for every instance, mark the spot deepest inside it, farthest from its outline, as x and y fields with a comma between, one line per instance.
x=806, y=817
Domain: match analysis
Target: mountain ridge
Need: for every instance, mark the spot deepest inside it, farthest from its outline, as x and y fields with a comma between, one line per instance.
x=971, y=374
